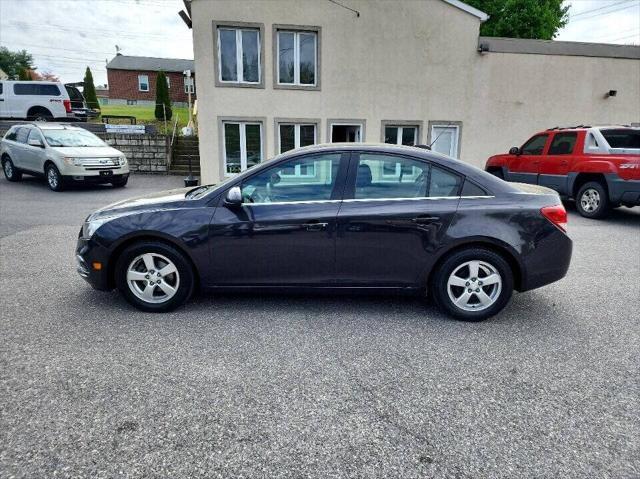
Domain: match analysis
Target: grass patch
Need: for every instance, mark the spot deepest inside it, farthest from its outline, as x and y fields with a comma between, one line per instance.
x=145, y=115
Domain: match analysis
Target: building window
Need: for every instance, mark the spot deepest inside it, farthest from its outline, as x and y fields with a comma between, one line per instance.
x=345, y=131
x=297, y=58
x=401, y=135
x=189, y=85
x=132, y=102
x=445, y=138
x=143, y=82
x=239, y=55
x=242, y=145
x=297, y=135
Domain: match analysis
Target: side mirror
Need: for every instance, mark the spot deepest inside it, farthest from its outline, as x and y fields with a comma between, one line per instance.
x=514, y=150
x=35, y=142
x=234, y=196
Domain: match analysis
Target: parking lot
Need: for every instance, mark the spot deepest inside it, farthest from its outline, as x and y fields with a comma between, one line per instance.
x=310, y=386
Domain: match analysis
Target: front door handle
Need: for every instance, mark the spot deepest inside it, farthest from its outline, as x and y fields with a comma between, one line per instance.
x=424, y=220
x=315, y=226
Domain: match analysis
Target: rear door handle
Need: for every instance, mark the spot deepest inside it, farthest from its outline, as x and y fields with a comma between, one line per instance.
x=315, y=226
x=424, y=220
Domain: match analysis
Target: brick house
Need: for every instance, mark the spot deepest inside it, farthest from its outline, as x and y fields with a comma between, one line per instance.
x=132, y=80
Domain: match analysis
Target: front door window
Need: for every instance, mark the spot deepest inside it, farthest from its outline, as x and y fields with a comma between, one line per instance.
x=281, y=183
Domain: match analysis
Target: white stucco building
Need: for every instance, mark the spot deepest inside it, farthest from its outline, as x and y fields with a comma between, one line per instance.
x=278, y=74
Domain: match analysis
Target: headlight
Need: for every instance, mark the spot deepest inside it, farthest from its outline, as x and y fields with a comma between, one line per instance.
x=122, y=160
x=91, y=226
x=70, y=161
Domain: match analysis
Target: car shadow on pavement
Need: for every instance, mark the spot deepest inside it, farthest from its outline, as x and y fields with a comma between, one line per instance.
x=363, y=307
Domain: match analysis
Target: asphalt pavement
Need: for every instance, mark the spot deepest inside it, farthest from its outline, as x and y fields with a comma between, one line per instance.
x=280, y=386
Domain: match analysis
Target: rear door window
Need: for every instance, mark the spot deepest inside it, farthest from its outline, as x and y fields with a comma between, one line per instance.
x=535, y=146
x=563, y=143
x=22, y=135
x=36, y=89
x=622, y=137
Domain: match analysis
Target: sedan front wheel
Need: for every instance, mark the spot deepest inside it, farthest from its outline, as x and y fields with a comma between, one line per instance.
x=154, y=276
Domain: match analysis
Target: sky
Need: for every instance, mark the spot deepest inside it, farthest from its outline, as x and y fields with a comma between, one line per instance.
x=64, y=36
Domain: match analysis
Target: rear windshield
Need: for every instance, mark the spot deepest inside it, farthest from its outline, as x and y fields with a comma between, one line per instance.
x=36, y=89
x=622, y=138
x=74, y=93
x=76, y=138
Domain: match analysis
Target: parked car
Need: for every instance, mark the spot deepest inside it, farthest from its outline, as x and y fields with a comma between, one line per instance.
x=599, y=167
x=331, y=217
x=35, y=101
x=79, y=106
x=64, y=154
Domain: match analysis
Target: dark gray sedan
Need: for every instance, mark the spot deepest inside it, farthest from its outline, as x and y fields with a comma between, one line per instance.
x=335, y=217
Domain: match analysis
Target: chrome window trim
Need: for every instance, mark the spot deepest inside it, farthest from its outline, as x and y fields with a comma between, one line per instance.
x=361, y=200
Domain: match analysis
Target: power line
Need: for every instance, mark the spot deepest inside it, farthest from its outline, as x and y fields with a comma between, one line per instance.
x=606, y=13
x=600, y=8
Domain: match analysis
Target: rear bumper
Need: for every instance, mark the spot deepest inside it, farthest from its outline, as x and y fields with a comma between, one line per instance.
x=548, y=262
x=88, y=253
x=626, y=192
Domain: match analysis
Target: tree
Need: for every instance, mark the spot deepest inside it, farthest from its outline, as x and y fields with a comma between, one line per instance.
x=13, y=63
x=162, y=98
x=539, y=19
x=89, y=90
x=25, y=74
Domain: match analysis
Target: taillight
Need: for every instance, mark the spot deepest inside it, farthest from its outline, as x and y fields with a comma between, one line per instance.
x=67, y=105
x=557, y=215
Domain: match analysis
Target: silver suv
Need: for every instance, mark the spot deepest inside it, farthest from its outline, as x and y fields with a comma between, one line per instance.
x=64, y=154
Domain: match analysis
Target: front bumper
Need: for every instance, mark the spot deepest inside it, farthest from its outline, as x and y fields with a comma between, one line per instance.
x=88, y=255
x=94, y=179
x=625, y=192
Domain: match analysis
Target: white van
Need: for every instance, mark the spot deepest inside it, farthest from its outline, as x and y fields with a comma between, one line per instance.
x=34, y=100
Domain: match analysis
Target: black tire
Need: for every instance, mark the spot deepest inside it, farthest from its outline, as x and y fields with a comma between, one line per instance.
x=11, y=173
x=121, y=183
x=53, y=177
x=592, y=200
x=439, y=286
x=184, y=280
x=40, y=114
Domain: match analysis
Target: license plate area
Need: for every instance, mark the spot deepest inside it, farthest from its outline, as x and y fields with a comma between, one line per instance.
x=106, y=173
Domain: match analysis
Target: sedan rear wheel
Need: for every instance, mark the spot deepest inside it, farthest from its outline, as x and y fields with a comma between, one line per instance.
x=154, y=276
x=473, y=284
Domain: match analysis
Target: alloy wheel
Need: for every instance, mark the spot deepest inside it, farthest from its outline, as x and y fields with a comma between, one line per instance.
x=590, y=200
x=52, y=178
x=8, y=169
x=474, y=286
x=153, y=278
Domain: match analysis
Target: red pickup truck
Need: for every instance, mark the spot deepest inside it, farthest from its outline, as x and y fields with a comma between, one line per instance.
x=599, y=167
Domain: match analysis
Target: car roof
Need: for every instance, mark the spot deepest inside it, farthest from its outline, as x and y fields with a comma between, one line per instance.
x=55, y=126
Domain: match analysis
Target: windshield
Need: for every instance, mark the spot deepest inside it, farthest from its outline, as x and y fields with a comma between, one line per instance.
x=71, y=138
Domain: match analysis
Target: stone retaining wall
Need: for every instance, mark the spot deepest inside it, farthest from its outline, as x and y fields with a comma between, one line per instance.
x=145, y=153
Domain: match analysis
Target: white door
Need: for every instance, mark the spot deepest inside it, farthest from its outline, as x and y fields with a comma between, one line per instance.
x=444, y=139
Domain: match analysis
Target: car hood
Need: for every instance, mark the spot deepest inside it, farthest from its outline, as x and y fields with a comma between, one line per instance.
x=87, y=151
x=155, y=201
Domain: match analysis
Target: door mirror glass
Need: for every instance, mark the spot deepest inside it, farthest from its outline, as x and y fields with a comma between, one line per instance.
x=35, y=142
x=234, y=196
x=514, y=150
